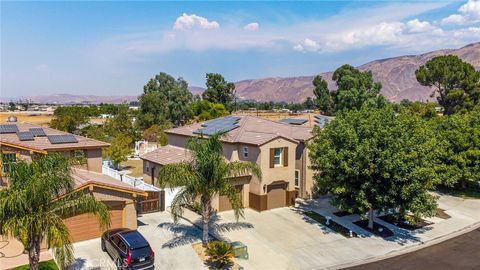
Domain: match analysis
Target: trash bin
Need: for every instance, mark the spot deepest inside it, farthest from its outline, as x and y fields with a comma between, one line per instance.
x=240, y=250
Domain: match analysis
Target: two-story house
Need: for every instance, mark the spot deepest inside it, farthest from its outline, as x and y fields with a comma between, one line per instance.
x=25, y=141
x=279, y=149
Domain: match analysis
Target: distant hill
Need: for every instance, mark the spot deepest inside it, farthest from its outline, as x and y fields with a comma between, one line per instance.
x=397, y=76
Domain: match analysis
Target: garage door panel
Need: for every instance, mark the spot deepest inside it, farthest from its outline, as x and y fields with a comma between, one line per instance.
x=276, y=197
x=86, y=226
x=224, y=203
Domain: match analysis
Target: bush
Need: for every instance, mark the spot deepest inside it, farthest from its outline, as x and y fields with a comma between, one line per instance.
x=220, y=253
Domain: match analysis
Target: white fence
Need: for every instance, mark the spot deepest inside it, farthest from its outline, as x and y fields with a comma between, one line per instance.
x=139, y=183
x=135, y=182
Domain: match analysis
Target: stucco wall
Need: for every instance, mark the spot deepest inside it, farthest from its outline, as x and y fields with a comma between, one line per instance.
x=177, y=140
x=270, y=175
x=94, y=159
x=130, y=213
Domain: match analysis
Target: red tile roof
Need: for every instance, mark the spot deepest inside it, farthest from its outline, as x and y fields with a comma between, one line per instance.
x=167, y=155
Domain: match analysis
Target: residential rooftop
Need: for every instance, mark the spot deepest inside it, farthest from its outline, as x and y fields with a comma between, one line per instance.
x=252, y=130
x=21, y=136
x=84, y=178
x=167, y=154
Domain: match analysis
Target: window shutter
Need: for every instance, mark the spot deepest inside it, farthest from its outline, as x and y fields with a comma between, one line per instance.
x=285, y=156
x=272, y=154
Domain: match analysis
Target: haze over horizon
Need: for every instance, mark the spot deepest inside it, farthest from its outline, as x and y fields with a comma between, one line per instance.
x=107, y=48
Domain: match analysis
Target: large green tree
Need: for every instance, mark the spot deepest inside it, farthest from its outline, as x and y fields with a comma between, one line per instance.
x=373, y=159
x=219, y=90
x=119, y=149
x=40, y=194
x=355, y=88
x=206, y=110
x=121, y=123
x=459, y=140
x=206, y=175
x=456, y=82
x=322, y=94
x=164, y=99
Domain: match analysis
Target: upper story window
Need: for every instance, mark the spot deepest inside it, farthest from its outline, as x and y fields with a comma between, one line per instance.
x=277, y=156
x=245, y=152
x=297, y=178
x=8, y=159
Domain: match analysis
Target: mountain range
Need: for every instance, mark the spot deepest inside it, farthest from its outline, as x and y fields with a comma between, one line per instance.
x=397, y=76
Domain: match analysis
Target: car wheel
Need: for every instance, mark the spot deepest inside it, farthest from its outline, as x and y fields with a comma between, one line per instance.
x=103, y=246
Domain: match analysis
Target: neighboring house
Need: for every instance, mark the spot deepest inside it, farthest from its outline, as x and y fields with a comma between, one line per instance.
x=279, y=149
x=25, y=141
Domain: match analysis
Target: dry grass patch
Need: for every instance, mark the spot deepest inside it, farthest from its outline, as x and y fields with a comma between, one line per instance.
x=135, y=166
x=34, y=118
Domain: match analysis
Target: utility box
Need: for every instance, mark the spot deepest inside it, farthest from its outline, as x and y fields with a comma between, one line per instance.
x=240, y=250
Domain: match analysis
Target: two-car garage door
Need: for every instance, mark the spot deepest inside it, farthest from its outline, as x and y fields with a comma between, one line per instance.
x=86, y=226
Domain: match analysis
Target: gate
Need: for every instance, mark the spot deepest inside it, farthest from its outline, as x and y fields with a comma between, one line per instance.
x=153, y=203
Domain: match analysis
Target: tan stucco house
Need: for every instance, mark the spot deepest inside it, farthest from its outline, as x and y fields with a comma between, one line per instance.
x=279, y=149
x=26, y=141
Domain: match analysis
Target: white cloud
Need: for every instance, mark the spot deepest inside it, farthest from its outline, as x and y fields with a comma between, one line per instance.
x=308, y=45
x=193, y=21
x=385, y=26
x=417, y=26
x=251, y=26
x=467, y=13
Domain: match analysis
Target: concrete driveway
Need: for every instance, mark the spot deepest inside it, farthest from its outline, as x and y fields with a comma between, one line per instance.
x=171, y=243
x=285, y=239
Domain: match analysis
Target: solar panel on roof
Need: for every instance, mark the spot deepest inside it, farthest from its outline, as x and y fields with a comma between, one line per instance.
x=58, y=139
x=8, y=128
x=224, y=124
x=25, y=136
x=293, y=121
x=38, y=132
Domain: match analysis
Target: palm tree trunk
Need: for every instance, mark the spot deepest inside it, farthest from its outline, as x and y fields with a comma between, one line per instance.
x=34, y=252
x=370, y=218
x=206, y=205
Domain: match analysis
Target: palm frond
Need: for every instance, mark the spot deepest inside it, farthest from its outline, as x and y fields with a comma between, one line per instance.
x=79, y=203
x=58, y=238
x=176, y=175
x=181, y=199
x=232, y=194
x=242, y=168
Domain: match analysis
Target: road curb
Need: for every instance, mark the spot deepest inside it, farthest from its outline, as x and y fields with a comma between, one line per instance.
x=413, y=248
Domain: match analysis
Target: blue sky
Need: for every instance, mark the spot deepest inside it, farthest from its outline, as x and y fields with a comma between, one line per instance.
x=113, y=48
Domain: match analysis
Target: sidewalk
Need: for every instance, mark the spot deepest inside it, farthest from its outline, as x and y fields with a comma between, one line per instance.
x=11, y=254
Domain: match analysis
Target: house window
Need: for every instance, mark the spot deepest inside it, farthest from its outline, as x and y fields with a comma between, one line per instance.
x=245, y=152
x=277, y=157
x=147, y=166
x=8, y=159
x=79, y=154
x=297, y=178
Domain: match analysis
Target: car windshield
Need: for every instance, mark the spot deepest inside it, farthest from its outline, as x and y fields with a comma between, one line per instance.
x=141, y=252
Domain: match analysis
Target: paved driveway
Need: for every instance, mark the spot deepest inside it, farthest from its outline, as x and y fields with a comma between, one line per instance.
x=171, y=243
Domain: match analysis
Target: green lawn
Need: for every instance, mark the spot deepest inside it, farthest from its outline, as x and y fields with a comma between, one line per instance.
x=46, y=265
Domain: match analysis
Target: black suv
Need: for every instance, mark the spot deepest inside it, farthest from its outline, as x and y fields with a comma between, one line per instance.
x=128, y=249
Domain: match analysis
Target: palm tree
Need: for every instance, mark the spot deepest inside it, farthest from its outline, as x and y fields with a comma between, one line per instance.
x=40, y=195
x=206, y=175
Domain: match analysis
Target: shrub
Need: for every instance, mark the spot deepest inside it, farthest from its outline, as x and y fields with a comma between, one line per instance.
x=220, y=253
